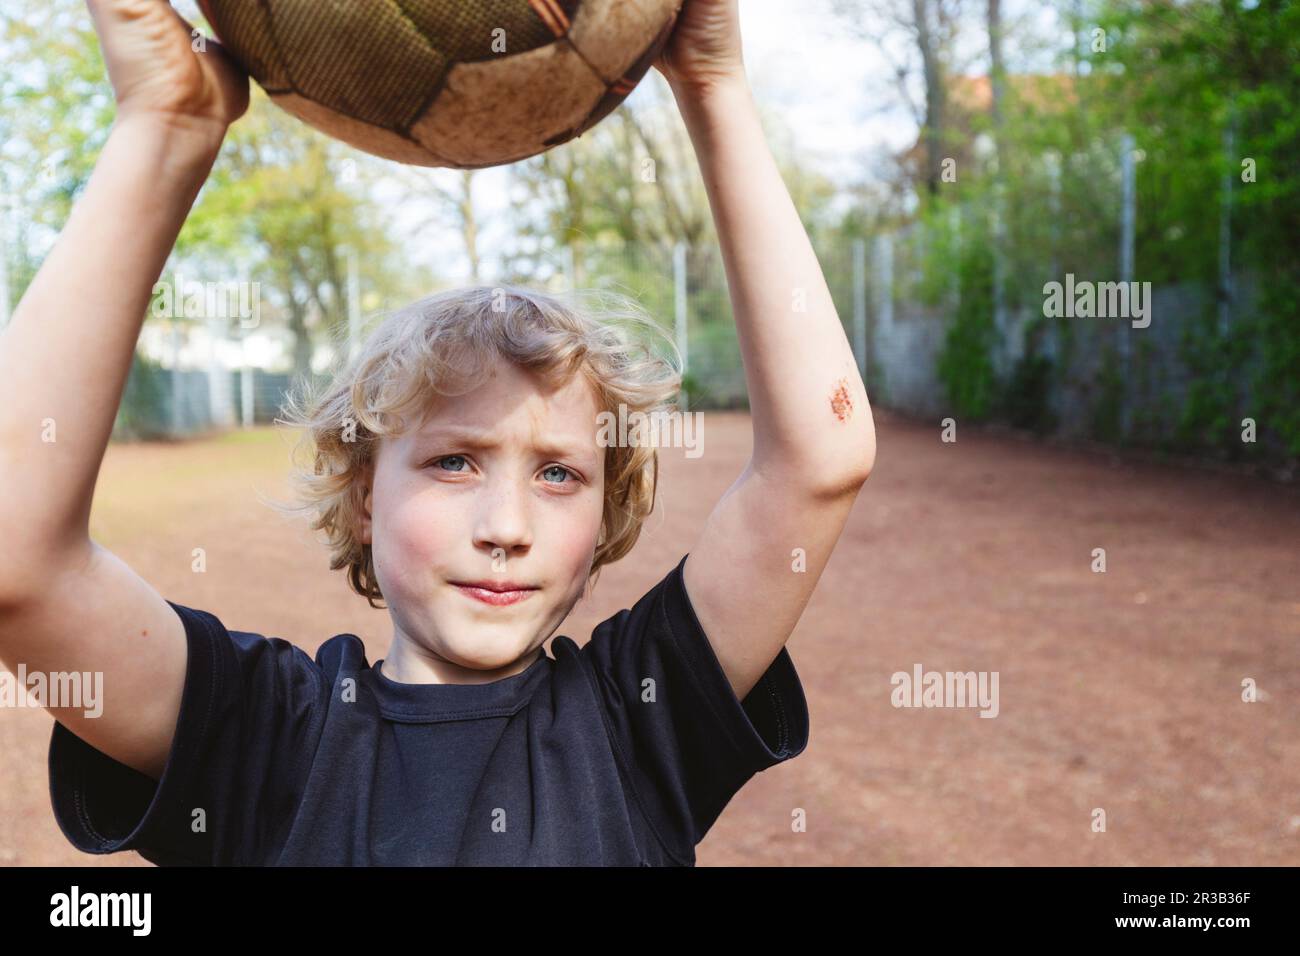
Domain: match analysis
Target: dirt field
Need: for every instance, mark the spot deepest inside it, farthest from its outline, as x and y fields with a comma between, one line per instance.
x=1119, y=691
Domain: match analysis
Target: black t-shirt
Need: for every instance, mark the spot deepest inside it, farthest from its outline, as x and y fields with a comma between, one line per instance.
x=281, y=760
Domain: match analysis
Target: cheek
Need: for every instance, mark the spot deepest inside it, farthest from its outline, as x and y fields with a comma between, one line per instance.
x=573, y=535
x=410, y=531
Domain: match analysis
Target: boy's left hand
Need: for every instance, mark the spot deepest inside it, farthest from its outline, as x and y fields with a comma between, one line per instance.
x=705, y=45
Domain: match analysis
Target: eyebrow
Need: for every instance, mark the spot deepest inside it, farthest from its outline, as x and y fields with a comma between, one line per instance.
x=473, y=438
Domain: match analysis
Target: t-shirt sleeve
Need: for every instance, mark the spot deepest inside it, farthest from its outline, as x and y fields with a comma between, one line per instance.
x=685, y=740
x=249, y=709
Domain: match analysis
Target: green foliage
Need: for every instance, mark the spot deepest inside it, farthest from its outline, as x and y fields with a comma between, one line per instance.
x=1278, y=384
x=1026, y=399
x=1106, y=412
x=697, y=393
x=280, y=205
x=1215, y=359
x=1185, y=77
x=1202, y=86
x=143, y=413
x=57, y=111
x=965, y=361
x=937, y=244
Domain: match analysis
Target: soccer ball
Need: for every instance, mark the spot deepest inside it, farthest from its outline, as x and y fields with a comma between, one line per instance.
x=461, y=83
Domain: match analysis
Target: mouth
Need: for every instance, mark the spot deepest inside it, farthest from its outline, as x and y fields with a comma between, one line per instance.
x=496, y=593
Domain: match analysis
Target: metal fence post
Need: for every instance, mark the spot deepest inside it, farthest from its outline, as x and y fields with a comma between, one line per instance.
x=1005, y=355
x=679, y=309
x=860, y=304
x=883, y=284
x=5, y=201
x=246, y=408
x=1128, y=222
x=218, y=382
x=1225, y=226
x=354, y=305
x=1052, y=162
x=176, y=377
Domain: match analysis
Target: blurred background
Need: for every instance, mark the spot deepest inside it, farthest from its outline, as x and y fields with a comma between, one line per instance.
x=948, y=158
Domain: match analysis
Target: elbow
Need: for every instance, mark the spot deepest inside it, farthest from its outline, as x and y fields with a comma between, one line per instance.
x=848, y=482
x=27, y=574
x=857, y=464
x=835, y=465
x=835, y=476
x=15, y=590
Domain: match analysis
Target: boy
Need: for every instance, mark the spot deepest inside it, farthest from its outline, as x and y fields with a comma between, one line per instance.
x=472, y=494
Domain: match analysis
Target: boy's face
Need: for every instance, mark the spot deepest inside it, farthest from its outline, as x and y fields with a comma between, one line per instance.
x=503, y=484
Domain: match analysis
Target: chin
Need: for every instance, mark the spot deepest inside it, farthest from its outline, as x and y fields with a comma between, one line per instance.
x=487, y=658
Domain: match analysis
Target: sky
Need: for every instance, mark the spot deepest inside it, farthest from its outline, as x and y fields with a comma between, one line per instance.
x=803, y=65
x=810, y=69
x=828, y=85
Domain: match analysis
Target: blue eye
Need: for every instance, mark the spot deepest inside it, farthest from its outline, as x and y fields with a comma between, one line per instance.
x=449, y=458
x=558, y=468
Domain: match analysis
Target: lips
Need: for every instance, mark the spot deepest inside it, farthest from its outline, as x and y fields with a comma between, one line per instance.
x=495, y=585
x=496, y=593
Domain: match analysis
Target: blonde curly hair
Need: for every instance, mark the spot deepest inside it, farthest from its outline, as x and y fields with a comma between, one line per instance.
x=445, y=344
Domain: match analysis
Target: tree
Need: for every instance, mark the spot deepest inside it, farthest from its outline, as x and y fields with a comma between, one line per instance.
x=928, y=29
x=286, y=203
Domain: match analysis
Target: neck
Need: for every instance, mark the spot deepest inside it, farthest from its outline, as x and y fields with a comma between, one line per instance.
x=410, y=663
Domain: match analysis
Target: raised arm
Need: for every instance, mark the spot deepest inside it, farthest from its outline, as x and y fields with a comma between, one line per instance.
x=814, y=440
x=65, y=603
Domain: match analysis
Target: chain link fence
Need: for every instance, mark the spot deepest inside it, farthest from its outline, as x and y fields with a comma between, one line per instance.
x=1076, y=376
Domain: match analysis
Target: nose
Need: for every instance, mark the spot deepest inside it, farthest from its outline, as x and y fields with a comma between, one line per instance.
x=503, y=518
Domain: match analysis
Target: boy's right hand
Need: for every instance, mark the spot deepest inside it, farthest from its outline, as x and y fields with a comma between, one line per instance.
x=149, y=51
x=65, y=602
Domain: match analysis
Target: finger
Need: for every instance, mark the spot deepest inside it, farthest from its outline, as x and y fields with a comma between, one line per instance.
x=210, y=46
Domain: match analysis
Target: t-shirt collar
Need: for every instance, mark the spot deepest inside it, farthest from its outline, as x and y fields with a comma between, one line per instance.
x=402, y=701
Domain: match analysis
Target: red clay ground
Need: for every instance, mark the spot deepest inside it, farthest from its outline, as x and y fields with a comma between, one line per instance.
x=1119, y=690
